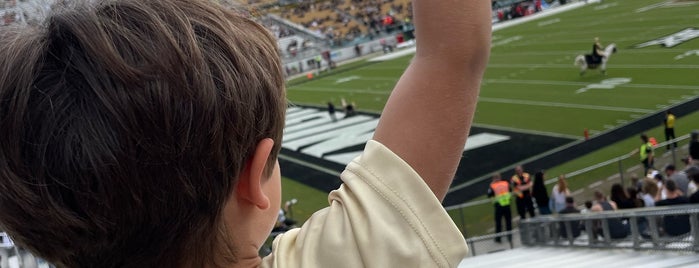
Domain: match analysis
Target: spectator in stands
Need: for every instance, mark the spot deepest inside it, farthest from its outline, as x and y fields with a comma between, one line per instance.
x=636, y=182
x=620, y=197
x=694, y=147
x=587, y=208
x=501, y=192
x=650, y=192
x=691, y=186
x=523, y=187
x=124, y=151
x=674, y=225
x=660, y=181
x=559, y=192
x=693, y=173
x=576, y=226
x=635, y=197
x=679, y=177
x=617, y=229
x=540, y=194
x=669, y=124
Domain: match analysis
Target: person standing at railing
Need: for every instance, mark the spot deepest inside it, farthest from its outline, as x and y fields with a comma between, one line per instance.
x=523, y=185
x=540, y=194
x=501, y=192
x=559, y=192
x=645, y=153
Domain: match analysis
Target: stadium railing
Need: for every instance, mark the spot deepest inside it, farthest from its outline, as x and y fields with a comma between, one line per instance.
x=647, y=229
x=615, y=170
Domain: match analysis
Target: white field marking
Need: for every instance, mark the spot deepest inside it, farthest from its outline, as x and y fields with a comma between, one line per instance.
x=636, y=116
x=661, y=106
x=310, y=165
x=688, y=54
x=348, y=90
x=565, y=105
x=608, y=126
x=605, y=6
x=633, y=169
x=622, y=121
x=564, y=83
x=605, y=84
x=579, y=191
x=686, y=97
x=527, y=131
x=595, y=185
x=680, y=4
x=395, y=55
x=574, y=52
x=614, y=66
x=674, y=101
x=653, y=6
x=548, y=22
x=613, y=177
x=506, y=41
x=570, y=66
x=347, y=79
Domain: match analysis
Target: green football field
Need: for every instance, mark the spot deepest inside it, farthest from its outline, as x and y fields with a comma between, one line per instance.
x=531, y=84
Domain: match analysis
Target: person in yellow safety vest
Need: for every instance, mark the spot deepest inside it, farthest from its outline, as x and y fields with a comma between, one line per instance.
x=522, y=183
x=501, y=193
x=646, y=153
x=669, y=123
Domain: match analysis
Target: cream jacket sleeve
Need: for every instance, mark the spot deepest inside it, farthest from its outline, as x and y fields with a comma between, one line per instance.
x=383, y=215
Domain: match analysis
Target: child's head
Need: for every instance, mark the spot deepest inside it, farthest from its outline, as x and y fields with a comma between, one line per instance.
x=125, y=127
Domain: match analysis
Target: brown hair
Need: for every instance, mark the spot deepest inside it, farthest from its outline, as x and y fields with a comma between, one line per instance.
x=650, y=187
x=124, y=126
x=562, y=184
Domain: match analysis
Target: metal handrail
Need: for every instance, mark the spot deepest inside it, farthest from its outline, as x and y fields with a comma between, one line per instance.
x=642, y=229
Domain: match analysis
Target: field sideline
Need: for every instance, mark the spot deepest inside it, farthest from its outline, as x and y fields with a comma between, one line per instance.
x=531, y=85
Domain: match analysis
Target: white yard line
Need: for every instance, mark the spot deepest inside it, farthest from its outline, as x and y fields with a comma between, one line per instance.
x=563, y=83
x=612, y=66
x=347, y=90
x=653, y=6
x=565, y=105
x=595, y=184
x=527, y=131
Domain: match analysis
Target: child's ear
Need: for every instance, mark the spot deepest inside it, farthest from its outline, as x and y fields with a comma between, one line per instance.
x=249, y=186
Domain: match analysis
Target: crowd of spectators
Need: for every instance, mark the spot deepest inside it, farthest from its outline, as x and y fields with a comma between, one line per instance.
x=341, y=21
x=668, y=186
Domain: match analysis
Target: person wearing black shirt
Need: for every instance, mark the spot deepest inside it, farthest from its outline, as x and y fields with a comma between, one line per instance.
x=674, y=225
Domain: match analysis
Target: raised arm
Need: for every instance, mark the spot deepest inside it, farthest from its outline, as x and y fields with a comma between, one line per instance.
x=428, y=116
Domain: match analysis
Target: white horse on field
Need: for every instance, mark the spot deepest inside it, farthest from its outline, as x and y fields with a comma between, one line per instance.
x=583, y=61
